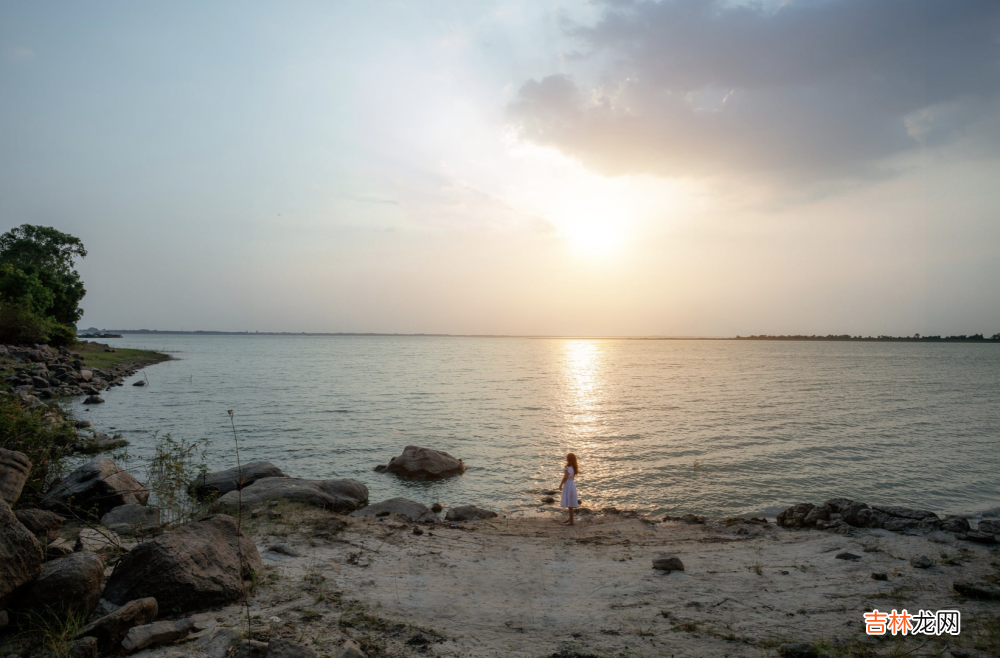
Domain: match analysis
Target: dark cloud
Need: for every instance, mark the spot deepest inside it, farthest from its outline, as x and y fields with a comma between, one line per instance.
x=816, y=90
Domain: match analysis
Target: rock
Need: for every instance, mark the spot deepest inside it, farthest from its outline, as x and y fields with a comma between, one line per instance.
x=4, y=619
x=978, y=537
x=335, y=495
x=417, y=530
x=992, y=527
x=437, y=508
x=98, y=486
x=410, y=509
x=668, y=563
x=955, y=524
x=284, y=549
x=350, y=649
x=424, y=463
x=86, y=375
x=799, y=650
x=977, y=589
x=85, y=647
x=880, y=575
x=232, y=479
x=141, y=382
x=905, y=512
x=794, y=516
x=69, y=584
x=921, y=562
x=100, y=442
x=548, y=500
x=96, y=540
x=20, y=554
x=14, y=469
x=468, y=513
x=195, y=566
x=852, y=512
x=251, y=649
x=44, y=525
x=278, y=648
x=94, y=399
x=217, y=642
x=140, y=637
x=847, y=556
x=57, y=549
x=132, y=519
x=110, y=630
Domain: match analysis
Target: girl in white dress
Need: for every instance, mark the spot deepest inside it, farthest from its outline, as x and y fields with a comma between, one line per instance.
x=568, y=486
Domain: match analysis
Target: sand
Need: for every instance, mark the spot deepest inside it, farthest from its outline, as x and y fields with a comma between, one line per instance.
x=529, y=586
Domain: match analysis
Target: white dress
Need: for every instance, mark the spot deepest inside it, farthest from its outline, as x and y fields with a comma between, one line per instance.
x=569, y=491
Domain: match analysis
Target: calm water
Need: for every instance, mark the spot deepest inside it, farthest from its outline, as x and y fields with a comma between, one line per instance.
x=720, y=428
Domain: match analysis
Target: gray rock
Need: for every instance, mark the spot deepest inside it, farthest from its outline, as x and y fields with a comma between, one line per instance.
x=548, y=500
x=350, y=649
x=71, y=583
x=335, y=495
x=99, y=442
x=794, y=516
x=847, y=556
x=86, y=375
x=140, y=637
x=141, y=382
x=111, y=629
x=57, y=549
x=232, y=479
x=468, y=513
x=217, y=642
x=14, y=469
x=195, y=566
x=955, y=524
x=44, y=525
x=132, y=519
x=977, y=589
x=437, y=508
x=251, y=649
x=853, y=513
x=921, y=562
x=284, y=549
x=424, y=463
x=992, y=527
x=278, y=648
x=20, y=554
x=798, y=650
x=96, y=487
x=668, y=563
x=905, y=512
x=85, y=647
x=880, y=575
x=94, y=399
x=978, y=537
x=410, y=509
x=98, y=539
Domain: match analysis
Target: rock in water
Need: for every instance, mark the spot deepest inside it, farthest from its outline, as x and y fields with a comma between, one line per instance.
x=794, y=516
x=417, y=462
x=231, y=479
x=410, y=509
x=195, y=566
x=68, y=584
x=132, y=519
x=668, y=563
x=111, y=629
x=14, y=469
x=468, y=513
x=335, y=495
x=20, y=554
x=94, y=399
x=98, y=486
x=42, y=524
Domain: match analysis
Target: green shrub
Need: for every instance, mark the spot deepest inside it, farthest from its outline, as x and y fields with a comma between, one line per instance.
x=19, y=325
x=29, y=431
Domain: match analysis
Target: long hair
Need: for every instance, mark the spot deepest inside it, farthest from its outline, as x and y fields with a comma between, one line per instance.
x=571, y=461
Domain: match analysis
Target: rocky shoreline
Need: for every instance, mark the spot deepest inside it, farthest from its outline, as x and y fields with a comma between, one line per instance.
x=315, y=569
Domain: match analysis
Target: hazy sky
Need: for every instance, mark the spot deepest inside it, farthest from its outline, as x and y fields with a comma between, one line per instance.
x=532, y=167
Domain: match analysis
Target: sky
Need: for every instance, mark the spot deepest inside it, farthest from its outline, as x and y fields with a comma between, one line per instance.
x=619, y=167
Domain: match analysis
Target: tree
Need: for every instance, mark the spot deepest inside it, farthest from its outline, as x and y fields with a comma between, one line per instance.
x=49, y=256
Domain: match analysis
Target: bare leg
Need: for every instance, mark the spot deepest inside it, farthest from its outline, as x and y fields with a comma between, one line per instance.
x=570, y=516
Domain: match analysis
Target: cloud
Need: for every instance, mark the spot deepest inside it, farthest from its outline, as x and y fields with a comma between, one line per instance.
x=819, y=90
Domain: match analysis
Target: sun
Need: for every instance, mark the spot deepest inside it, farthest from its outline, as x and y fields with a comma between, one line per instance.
x=592, y=237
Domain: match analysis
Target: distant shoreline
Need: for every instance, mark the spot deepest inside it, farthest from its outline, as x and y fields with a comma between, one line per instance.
x=974, y=338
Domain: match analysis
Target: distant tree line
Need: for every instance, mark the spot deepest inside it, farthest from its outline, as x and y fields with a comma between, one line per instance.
x=40, y=289
x=972, y=338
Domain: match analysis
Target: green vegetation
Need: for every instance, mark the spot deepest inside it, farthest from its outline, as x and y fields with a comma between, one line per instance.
x=40, y=289
x=95, y=356
x=41, y=434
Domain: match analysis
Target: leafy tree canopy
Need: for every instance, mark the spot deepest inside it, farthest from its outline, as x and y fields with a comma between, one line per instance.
x=44, y=254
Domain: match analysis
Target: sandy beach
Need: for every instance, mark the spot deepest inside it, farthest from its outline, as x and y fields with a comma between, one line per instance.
x=529, y=586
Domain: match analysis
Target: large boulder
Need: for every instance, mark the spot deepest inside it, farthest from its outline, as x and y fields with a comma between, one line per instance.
x=111, y=629
x=988, y=525
x=468, y=513
x=21, y=555
x=196, y=566
x=411, y=509
x=14, y=469
x=231, y=479
x=132, y=519
x=69, y=584
x=424, y=463
x=794, y=516
x=334, y=495
x=44, y=525
x=96, y=487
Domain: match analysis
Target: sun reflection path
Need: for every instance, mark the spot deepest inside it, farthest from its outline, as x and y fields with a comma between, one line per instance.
x=584, y=363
